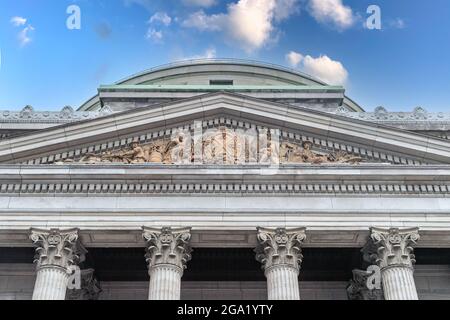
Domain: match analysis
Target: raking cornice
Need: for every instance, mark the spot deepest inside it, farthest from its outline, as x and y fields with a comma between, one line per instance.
x=126, y=124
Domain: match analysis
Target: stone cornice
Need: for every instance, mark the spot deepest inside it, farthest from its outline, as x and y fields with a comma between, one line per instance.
x=381, y=115
x=135, y=189
x=126, y=124
x=285, y=173
x=130, y=235
x=67, y=115
x=158, y=179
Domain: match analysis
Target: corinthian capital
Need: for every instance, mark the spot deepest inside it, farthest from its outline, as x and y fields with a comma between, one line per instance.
x=277, y=247
x=391, y=247
x=167, y=246
x=56, y=248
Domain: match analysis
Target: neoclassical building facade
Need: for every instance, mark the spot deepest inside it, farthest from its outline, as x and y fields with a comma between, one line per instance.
x=224, y=179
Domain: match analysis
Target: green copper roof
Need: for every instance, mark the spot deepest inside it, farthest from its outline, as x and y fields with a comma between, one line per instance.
x=213, y=88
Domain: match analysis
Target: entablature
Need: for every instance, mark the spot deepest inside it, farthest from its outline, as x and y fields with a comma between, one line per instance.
x=147, y=179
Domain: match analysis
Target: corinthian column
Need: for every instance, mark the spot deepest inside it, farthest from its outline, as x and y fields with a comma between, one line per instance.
x=392, y=250
x=279, y=251
x=168, y=251
x=56, y=253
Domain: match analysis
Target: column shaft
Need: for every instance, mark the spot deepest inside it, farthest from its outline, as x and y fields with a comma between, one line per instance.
x=51, y=284
x=56, y=252
x=392, y=250
x=398, y=283
x=279, y=251
x=168, y=251
x=282, y=283
x=165, y=283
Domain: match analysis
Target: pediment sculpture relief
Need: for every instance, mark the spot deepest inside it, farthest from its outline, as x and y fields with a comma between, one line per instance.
x=157, y=152
x=218, y=146
x=294, y=153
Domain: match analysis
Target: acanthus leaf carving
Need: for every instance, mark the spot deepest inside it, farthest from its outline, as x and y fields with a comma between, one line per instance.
x=167, y=246
x=280, y=247
x=391, y=247
x=57, y=248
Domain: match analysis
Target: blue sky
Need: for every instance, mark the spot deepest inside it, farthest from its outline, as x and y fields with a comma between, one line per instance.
x=403, y=65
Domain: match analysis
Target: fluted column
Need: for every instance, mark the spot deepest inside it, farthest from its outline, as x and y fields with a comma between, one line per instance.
x=393, y=253
x=56, y=253
x=279, y=251
x=168, y=251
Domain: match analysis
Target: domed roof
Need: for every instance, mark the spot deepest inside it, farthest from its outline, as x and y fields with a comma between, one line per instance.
x=235, y=71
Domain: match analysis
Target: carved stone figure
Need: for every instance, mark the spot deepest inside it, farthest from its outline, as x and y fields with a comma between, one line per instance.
x=270, y=154
x=293, y=153
x=136, y=155
x=251, y=140
x=309, y=156
x=179, y=150
x=156, y=155
x=222, y=146
x=108, y=157
x=217, y=146
x=343, y=157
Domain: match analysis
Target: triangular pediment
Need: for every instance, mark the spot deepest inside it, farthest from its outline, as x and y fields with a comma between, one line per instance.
x=331, y=138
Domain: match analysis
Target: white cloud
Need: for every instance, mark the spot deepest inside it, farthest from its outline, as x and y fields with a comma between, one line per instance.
x=18, y=21
x=161, y=17
x=250, y=23
x=294, y=58
x=24, y=37
x=285, y=8
x=209, y=53
x=147, y=4
x=323, y=68
x=332, y=12
x=200, y=3
x=203, y=22
x=154, y=35
x=398, y=23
